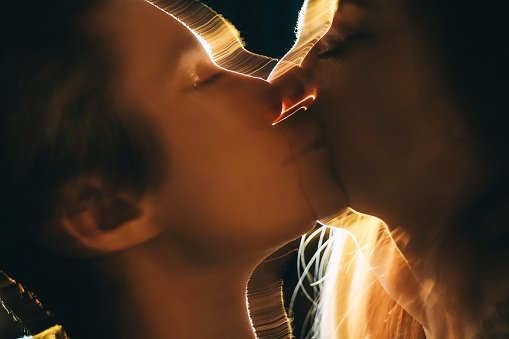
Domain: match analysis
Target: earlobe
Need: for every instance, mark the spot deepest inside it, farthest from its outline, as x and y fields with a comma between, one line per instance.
x=97, y=223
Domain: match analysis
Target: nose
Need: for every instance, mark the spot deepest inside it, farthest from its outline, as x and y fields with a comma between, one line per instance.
x=296, y=89
x=256, y=93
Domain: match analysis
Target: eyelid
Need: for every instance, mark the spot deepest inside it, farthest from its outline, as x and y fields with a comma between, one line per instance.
x=213, y=78
x=336, y=45
x=209, y=80
x=330, y=48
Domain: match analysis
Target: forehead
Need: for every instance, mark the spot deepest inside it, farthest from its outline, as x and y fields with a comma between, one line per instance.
x=381, y=15
x=136, y=28
x=148, y=48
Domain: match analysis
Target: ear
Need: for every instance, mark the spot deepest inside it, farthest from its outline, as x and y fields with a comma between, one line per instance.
x=93, y=222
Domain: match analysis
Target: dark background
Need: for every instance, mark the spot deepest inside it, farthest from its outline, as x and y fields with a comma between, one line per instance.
x=267, y=27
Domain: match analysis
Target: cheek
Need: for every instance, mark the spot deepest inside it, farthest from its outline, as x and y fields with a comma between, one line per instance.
x=373, y=114
x=230, y=183
x=374, y=96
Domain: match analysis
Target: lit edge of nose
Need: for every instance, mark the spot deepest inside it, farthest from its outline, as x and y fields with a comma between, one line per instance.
x=303, y=104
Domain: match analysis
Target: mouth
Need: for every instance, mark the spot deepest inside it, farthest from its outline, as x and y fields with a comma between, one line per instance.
x=305, y=135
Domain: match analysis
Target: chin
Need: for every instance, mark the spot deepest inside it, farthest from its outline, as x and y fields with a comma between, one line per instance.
x=320, y=185
x=311, y=152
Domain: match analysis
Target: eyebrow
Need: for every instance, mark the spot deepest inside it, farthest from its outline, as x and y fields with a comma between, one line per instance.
x=367, y=4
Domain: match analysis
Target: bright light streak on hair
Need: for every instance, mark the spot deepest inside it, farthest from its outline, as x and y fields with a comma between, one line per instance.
x=221, y=39
x=227, y=48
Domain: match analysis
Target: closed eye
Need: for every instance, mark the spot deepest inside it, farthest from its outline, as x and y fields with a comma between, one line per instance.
x=212, y=79
x=339, y=48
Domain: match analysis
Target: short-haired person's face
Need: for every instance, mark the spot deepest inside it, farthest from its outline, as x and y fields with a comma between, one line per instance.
x=232, y=181
x=400, y=144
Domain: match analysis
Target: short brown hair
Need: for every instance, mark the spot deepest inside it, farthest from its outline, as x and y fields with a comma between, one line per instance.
x=59, y=120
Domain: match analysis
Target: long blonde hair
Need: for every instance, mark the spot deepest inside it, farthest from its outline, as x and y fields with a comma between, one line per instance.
x=355, y=262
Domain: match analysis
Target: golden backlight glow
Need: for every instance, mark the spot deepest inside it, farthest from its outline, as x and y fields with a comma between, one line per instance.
x=227, y=48
x=366, y=270
x=222, y=38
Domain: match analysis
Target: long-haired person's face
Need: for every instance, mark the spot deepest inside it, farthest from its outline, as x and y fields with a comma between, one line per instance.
x=232, y=179
x=395, y=130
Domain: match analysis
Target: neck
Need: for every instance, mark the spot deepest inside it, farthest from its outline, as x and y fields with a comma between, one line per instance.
x=173, y=300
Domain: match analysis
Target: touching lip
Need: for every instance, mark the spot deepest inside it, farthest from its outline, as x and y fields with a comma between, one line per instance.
x=316, y=151
x=305, y=135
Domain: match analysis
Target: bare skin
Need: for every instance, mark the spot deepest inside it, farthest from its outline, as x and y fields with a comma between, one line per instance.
x=235, y=191
x=401, y=148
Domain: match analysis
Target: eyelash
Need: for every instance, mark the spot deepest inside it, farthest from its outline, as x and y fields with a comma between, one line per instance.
x=210, y=80
x=213, y=78
x=340, y=48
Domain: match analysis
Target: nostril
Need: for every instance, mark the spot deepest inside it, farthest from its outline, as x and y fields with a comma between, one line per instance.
x=294, y=86
x=294, y=108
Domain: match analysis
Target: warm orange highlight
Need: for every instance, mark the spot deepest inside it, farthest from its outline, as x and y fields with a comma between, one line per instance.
x=303, y=104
